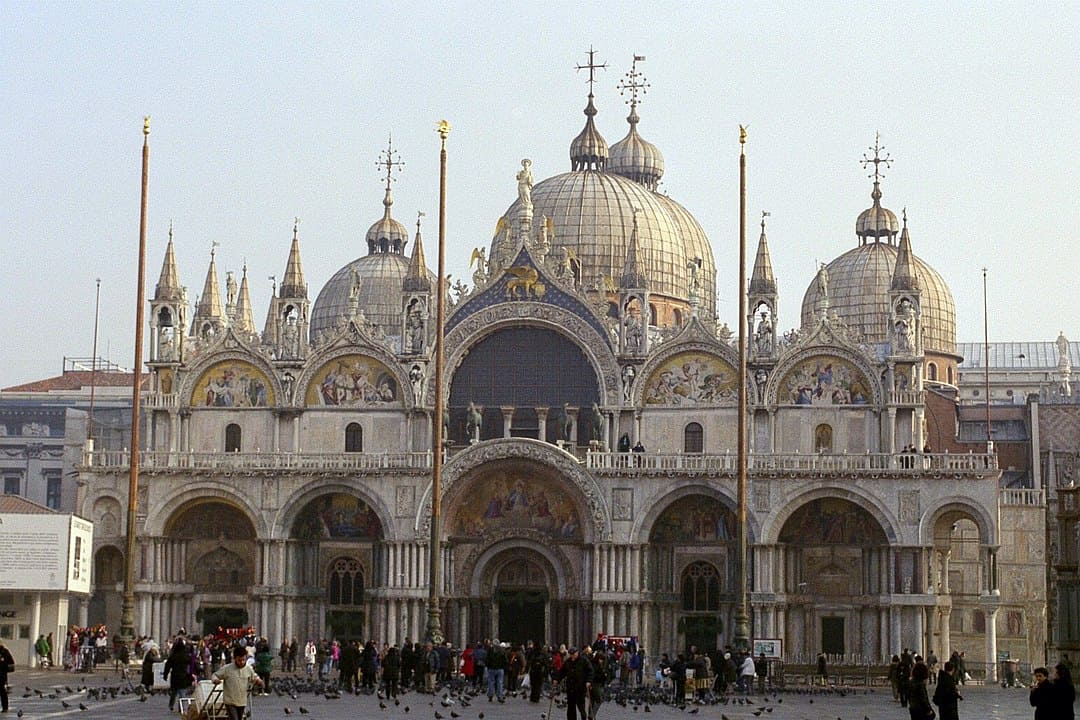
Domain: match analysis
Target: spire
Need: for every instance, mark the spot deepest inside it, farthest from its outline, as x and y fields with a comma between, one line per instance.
x=243, y=317
x=293, y=284
x=589, y=150
x=168, y=285
x=210, y=302
x=417, y=280
x=762, y=279
x=633, y=275
x=876, y=221
x=634, y=157
x=904, y=277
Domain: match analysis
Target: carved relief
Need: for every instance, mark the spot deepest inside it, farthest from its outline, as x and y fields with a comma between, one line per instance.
x=622, y=504
x=909, y=506
x=404, y=501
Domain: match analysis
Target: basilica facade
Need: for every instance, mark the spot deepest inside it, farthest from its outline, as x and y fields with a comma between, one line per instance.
x=589, y=482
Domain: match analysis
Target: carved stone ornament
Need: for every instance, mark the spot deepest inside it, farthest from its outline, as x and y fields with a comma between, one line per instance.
x=540, y=540
x=404, y=501
x=491, y=451
x=622, y=504
x=909, y=506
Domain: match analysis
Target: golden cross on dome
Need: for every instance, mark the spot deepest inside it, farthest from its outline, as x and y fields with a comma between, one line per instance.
x=591, y=67
x=389, y=159
x=634, y=82
x=877, y=160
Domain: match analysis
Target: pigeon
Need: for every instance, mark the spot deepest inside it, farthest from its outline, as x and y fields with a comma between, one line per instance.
x=20, y=713
x=303, y=710
x=438, y=716
x=288, y=711
x=454, y=714
x=481, y=716
x=649, y=709
x=382, y=705
x=66, y=706
x=68, y=689
x=83, y=707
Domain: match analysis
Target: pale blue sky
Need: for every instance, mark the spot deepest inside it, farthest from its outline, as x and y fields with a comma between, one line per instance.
x=266, y=111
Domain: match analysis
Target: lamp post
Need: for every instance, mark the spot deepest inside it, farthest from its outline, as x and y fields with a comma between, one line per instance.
x=742, y=614
x=127, y=608
x=434, y=613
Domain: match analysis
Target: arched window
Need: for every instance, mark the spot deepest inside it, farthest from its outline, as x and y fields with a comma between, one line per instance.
x=693, y=438
x=677, y=313
x=700, y=588
x=345, y=584
x=823, y=438
x=354, y=438
x=931, y=371
x=652, y=315
x=232, y=437
x=949, y=373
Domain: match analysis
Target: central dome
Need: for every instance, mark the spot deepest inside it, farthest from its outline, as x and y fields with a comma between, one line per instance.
x=592, y=213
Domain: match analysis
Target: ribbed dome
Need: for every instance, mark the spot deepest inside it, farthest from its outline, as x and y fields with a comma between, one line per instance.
x=381, y=276
x=697, y=245
x=387, y=234
x=635, y=158
x=589, y=150
x=876, y=221
x=858, y=291
x=593, y=214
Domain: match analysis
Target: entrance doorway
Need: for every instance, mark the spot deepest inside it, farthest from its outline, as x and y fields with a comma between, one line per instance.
x=521, y=614
x=701, y=632
x=832, y=635
x=345, y=625
x=222, y=617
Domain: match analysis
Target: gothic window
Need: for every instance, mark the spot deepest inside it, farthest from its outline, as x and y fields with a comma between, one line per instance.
x=693, y=438
x=354, y=438
x=700, y=588
x=345, y=582
x=931, y=371
x=232, y=437
x=823, y=438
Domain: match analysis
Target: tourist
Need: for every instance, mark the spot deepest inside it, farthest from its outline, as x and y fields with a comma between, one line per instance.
x=576, y=674
x=237, y=678
x=946, y=696
x=919, y=707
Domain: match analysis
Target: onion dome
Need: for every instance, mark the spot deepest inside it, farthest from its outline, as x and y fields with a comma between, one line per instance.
x=876, y=221
x=858, y=294
x=634, y=157
x=589, y=150
x=387, y=234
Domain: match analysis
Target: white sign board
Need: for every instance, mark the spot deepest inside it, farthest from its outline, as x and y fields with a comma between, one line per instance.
x=45, y=552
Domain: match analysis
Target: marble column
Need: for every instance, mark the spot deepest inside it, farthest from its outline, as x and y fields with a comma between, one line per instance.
x=541, y=430
x=991, y=645
x=508, y=420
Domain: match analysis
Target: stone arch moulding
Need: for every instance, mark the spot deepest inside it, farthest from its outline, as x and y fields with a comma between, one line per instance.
x=202, y=364
x=660, y=502
x=497, y=317
x=342, y=349
x=791, y=503
x=988, y=529
x=596, y=524
x=870, y=374
x=480, y=559
x=295, y=504
x=200, y=492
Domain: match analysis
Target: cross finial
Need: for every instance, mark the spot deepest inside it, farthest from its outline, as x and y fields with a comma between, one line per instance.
x=633, y=81
x=389, y=159
x=877, y=159
x=591, y=67
x=170, y=230
x=295, y=227
x=213, y=248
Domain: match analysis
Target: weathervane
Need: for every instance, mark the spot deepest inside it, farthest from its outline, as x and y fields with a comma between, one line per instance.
x=419, y=214
x=764, y=214
x=389, y=159
x=877, y=160
x=591, y=67
x=633, y=81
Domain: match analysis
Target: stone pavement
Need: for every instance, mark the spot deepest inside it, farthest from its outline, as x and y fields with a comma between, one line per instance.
x=78, y=691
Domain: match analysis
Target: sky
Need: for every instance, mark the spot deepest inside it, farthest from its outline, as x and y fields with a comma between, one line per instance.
x=263, y=112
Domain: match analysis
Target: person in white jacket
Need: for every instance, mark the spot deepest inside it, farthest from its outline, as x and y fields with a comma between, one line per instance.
x=747, y=674
x=309, y=657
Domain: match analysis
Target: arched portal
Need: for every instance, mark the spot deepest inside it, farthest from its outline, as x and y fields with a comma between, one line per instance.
x=836, y=556
x=106, y=598
x=333, y=549
x=211, y=545
x=521, y=585
x=692, y=558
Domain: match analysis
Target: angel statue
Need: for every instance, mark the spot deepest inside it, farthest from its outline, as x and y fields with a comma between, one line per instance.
x=479, y=259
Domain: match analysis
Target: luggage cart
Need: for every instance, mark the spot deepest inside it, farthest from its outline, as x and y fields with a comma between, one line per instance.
x=209, y=698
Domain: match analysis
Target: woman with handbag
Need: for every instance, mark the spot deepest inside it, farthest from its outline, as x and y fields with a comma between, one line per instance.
x=919, y=702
